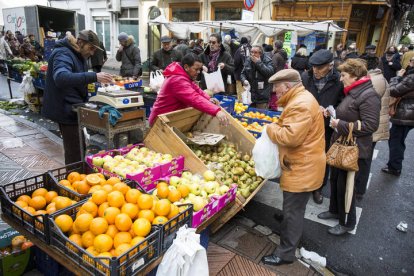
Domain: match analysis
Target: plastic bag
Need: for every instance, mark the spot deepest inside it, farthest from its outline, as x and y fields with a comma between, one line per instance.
x=266, y=157
x=185, y=257
x=246, y=95
x=156, y=80
x=214, y=81
x=27, y=87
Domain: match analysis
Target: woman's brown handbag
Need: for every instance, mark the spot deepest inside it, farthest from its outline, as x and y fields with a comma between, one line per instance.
x=343, y=154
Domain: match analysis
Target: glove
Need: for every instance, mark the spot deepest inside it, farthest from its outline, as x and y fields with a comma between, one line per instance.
x=114, y=114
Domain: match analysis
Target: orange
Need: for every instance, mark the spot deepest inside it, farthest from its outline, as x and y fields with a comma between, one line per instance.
x=21, y=203
x=62, y=202
x=83, y=221
x=94, y=189
x=93, y=179
x=104, y=257
x=123, y=222
x=122, y=237
x=132, y=195
x=148, y=214
x=98, y=226
x=103, y=243
x=103, y=181
x=130, y=209
x=51, y=210
x=64, y=222
x=73, y=176
x=112, y=231
x=90, y=207
x=162, y=184
x=74, y=230
x=87, y=239
x=106, y=187
x=116, y=199
x=174, y=196
x=83, y=188
x=91, y=250
x=76, y=238
x=141, y=227
x=184, y=190
x=121, y=249
x=162, y=207
x=131, y=232
x=173, y=211
x=65, y=182
x=39, y=192
x=113, y=180
x=99, y=197
x=24, y=198
x=159, y=220
x=82, y=176
x=145, y=201
x=100, y=175
x=122, y=187
x=137, y=240
x=49, y=196
x=40, y=212
x=102, y=208
x=110, y=214
x=37, y=202
x=30, y=210
x=162, y=190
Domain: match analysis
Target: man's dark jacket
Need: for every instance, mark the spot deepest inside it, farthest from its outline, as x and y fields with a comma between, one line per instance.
x=403, y=87
x=162, y=58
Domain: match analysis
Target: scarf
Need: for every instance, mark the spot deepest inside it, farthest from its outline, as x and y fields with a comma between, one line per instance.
x=212, y=64
x=355, y=84
x=320, y=84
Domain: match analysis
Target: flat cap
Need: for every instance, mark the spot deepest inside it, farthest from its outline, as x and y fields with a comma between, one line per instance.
x=285, y=75
x=370, y=47
x=91, y=37
x=321, y=57
x=123, y=36
x=165, y=38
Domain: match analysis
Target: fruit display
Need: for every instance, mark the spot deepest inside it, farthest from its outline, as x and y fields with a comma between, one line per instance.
x=18, y=244
x=254, y=126
x=240, y=107
x=260, y=116
x=230, y=166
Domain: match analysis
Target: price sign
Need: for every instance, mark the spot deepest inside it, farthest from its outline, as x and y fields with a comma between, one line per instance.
x=288, y=36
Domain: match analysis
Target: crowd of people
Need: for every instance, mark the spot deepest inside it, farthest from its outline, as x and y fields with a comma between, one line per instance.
x=17, y=45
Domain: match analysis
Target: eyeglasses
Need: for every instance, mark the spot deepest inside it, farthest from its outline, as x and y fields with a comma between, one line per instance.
x=212, y=42
x=255, y=52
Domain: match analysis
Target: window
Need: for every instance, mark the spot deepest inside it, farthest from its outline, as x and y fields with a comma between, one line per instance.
x=103, y=30
x=129, y=22
x=185, y=12
x=226, y=11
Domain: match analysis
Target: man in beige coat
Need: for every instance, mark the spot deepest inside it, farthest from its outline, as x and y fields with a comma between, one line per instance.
x=300, y=135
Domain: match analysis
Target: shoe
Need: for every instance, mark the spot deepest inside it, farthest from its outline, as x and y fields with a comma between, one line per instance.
x=339, y=230
x=317, y=197
x=274, y=260
x=328, y=215
x=391, y=171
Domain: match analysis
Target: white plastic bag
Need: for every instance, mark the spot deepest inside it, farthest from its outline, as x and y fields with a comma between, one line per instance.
x=185, y=257
x=246, y=95
x=156, y=80
x=266, y=157
x=214, y=81
x=27, y=87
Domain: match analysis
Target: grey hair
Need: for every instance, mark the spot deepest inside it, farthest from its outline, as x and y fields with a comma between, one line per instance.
x=260, y=48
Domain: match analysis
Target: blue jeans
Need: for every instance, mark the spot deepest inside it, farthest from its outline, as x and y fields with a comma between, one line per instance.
x=396, y=145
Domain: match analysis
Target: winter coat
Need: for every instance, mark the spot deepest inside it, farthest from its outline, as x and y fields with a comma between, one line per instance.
x=279, y=60
x=225, y=58
x=403, y=87
x=161, y=58
x=382, y=88
x=331, y=94
x=406, y=59
x=390, y=71
x=66, y=82
x=300, y=63
x=362, y=103
x=14, y=46
x=4, y=49
x=256, y=73
x=130, y=58
x=300, y=136
x=240, y=58
x=98, y=58
x=178, y=91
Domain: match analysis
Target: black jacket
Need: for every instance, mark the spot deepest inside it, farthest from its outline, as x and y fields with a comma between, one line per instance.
x=372, y=61
x=162, y=58
x=300, y=63
x=256, y=73
x=403, y=87
x=225, y=58
x=331, y=94
x=388, y=70
x=240, y=58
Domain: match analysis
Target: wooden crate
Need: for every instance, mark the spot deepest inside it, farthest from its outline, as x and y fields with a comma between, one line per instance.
x=162, y=138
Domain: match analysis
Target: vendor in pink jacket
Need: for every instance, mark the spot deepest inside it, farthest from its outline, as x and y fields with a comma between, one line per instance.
x=180, y=91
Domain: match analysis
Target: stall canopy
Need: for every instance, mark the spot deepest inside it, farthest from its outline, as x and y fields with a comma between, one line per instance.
x=182, y=30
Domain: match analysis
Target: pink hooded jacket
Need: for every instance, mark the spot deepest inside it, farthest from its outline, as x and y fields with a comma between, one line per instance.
x=179, y=91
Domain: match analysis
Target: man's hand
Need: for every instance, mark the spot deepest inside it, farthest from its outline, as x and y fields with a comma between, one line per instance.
x=121, y=48
x=103, y=77
x=205, y=69
x=255, y=59
x=401, y=73
x=221, y=65
x=222, y=117
x=324, y=111
x=334, y=123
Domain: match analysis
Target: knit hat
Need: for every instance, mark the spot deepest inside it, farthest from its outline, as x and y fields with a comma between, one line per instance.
x=123, y=37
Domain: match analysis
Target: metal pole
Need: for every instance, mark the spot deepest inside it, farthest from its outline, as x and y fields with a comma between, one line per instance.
x=149, y=47
x=220, y=28
x=327, y=36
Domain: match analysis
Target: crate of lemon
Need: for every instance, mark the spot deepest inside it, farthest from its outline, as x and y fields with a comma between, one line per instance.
x=32, y=200
x=117, y=232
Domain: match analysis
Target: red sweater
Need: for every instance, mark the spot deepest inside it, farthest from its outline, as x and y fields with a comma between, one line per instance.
x=179, y=91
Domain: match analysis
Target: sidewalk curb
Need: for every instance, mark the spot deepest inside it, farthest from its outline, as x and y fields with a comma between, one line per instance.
x=41, y=129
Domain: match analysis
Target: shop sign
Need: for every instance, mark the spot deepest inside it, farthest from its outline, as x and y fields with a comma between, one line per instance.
x=249, y=4
x=247, y=15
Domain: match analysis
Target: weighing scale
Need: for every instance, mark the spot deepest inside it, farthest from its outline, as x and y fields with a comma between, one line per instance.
x=119, y=99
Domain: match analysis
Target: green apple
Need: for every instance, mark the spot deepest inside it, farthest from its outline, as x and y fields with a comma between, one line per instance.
x=223, y=189
x=209, y=175
x=187, y=175
x=198, y=203
x=98, y=161
x=174, y=181
x=195, y=189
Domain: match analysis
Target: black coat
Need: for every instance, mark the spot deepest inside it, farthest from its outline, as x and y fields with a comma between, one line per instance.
x=300, y=63
x=257, y=72
x=240, y=58
x=388, y=70
x=403, y=87
x=162, y=58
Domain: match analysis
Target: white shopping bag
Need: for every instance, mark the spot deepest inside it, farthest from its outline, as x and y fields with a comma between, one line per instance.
x=185, y=257
x=27, y=87
x=266, y=157
x=214, y=81
x=246, y=95
x=156, y=80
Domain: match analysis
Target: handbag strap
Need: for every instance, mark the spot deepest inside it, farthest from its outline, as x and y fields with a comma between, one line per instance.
x=350, y=129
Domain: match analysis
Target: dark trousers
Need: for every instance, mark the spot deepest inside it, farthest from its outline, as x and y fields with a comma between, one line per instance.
x=328, y=135
x=71, y=143
x=294, y=207
x=396, y=145
x=338, y=190
x=362, y=176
